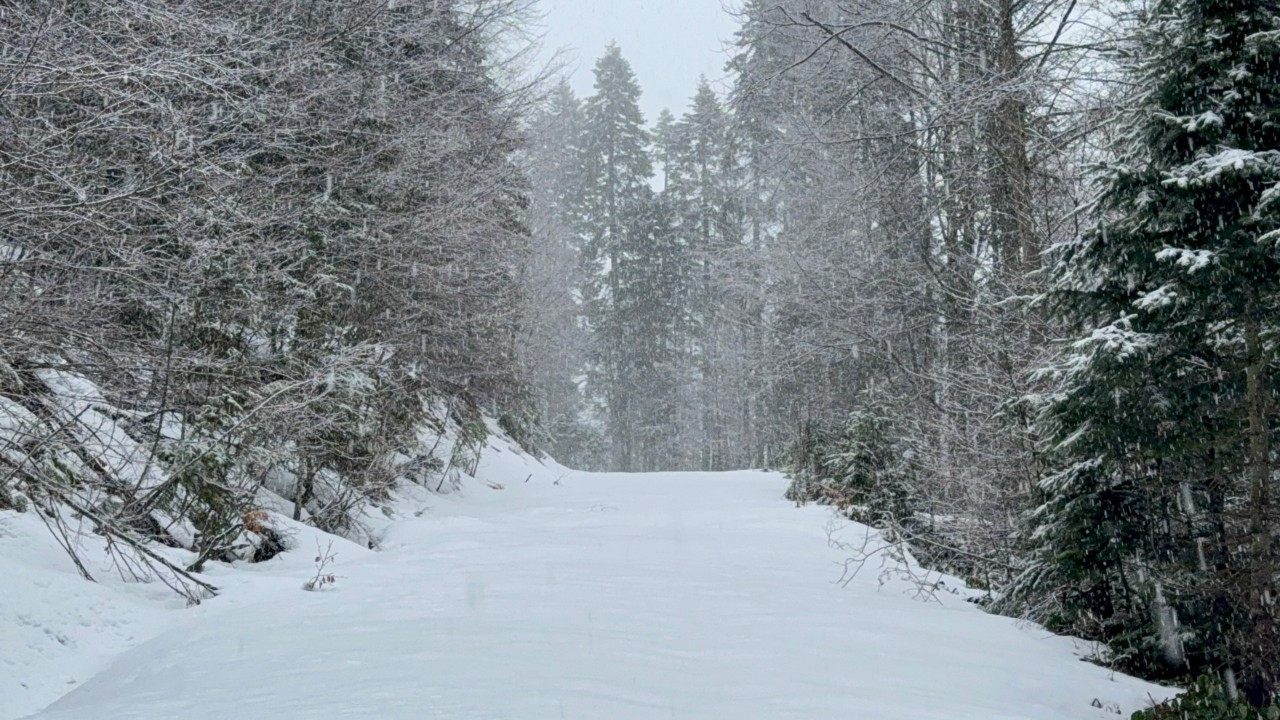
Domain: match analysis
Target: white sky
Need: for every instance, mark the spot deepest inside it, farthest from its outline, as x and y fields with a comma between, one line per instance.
x=668, y=42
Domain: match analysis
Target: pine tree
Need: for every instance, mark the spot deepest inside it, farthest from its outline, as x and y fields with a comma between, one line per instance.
x=700, y=164
x=650, y=310
x=617, y=168
x=1158, y=530
x=554, y=341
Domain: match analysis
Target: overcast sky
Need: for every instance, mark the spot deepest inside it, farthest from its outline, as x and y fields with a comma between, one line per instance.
x=669, y=43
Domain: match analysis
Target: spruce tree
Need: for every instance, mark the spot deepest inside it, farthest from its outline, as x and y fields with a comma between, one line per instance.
x=617, y=168
x=650, y=310
x=699, y=162
x=1157, y=531
x=554, y=340
x=557, y=154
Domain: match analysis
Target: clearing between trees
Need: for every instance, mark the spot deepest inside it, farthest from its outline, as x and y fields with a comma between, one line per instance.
x=596, y=595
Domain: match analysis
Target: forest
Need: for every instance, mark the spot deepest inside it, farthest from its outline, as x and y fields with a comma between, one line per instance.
x=1001, y=279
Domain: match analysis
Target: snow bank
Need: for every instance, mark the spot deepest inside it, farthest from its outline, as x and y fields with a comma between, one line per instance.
x=57, y=629
x=80, y=406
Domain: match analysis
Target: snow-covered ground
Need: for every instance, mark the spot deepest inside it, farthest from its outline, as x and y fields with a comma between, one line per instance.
x=571, y=595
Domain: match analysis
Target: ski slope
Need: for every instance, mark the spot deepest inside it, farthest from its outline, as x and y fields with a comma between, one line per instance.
x=602, y=597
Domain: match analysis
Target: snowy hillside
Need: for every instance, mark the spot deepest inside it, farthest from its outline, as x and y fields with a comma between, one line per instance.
x=563, y=595
x=57, y=629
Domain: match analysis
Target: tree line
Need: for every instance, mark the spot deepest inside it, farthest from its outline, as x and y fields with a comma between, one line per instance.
x=999, y=278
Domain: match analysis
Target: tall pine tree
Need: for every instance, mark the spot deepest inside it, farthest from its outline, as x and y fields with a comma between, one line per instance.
x=700, y=165
x=554, y=341
x=1158, y=530
x=617, y=169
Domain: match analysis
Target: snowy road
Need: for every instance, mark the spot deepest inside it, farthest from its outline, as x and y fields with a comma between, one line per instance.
x=607, y=597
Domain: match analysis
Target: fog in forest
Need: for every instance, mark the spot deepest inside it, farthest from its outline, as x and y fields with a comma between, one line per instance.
x=999, y=279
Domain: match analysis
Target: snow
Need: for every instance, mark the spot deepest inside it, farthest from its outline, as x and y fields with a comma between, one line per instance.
x=80, y=404
x=1161, y=297
x=18, y=426
x=11, y=253
x=1206, y=169
x=1118, y=338
x=1194, y=123
x=560, y=595
x=56, y=629
x=1192, y=260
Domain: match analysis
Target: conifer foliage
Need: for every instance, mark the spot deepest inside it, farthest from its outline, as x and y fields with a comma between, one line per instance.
x=636, y=273
x=1158, y=526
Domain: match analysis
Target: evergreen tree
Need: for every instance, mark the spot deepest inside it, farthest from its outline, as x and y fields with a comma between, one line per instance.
x=699, y=162
x=554, y=339
x=650, y=310
x=616, y=195
x=1158, y=528
x=557, y=153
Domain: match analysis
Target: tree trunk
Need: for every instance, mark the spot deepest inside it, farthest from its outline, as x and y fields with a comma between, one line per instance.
x=1258, y=683
x=1011, y=178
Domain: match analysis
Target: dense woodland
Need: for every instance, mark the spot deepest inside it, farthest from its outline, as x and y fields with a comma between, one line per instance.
x=253, y=251
x=997, y=277
x=1000, y=278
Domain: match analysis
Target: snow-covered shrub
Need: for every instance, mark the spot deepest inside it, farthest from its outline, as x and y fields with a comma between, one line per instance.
x=471, y=434
x=270, y=271
x=869, y=468
x=10, y=500
x=209, y=485
x=521, y=423
x=805, y=464
x=866, y=468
